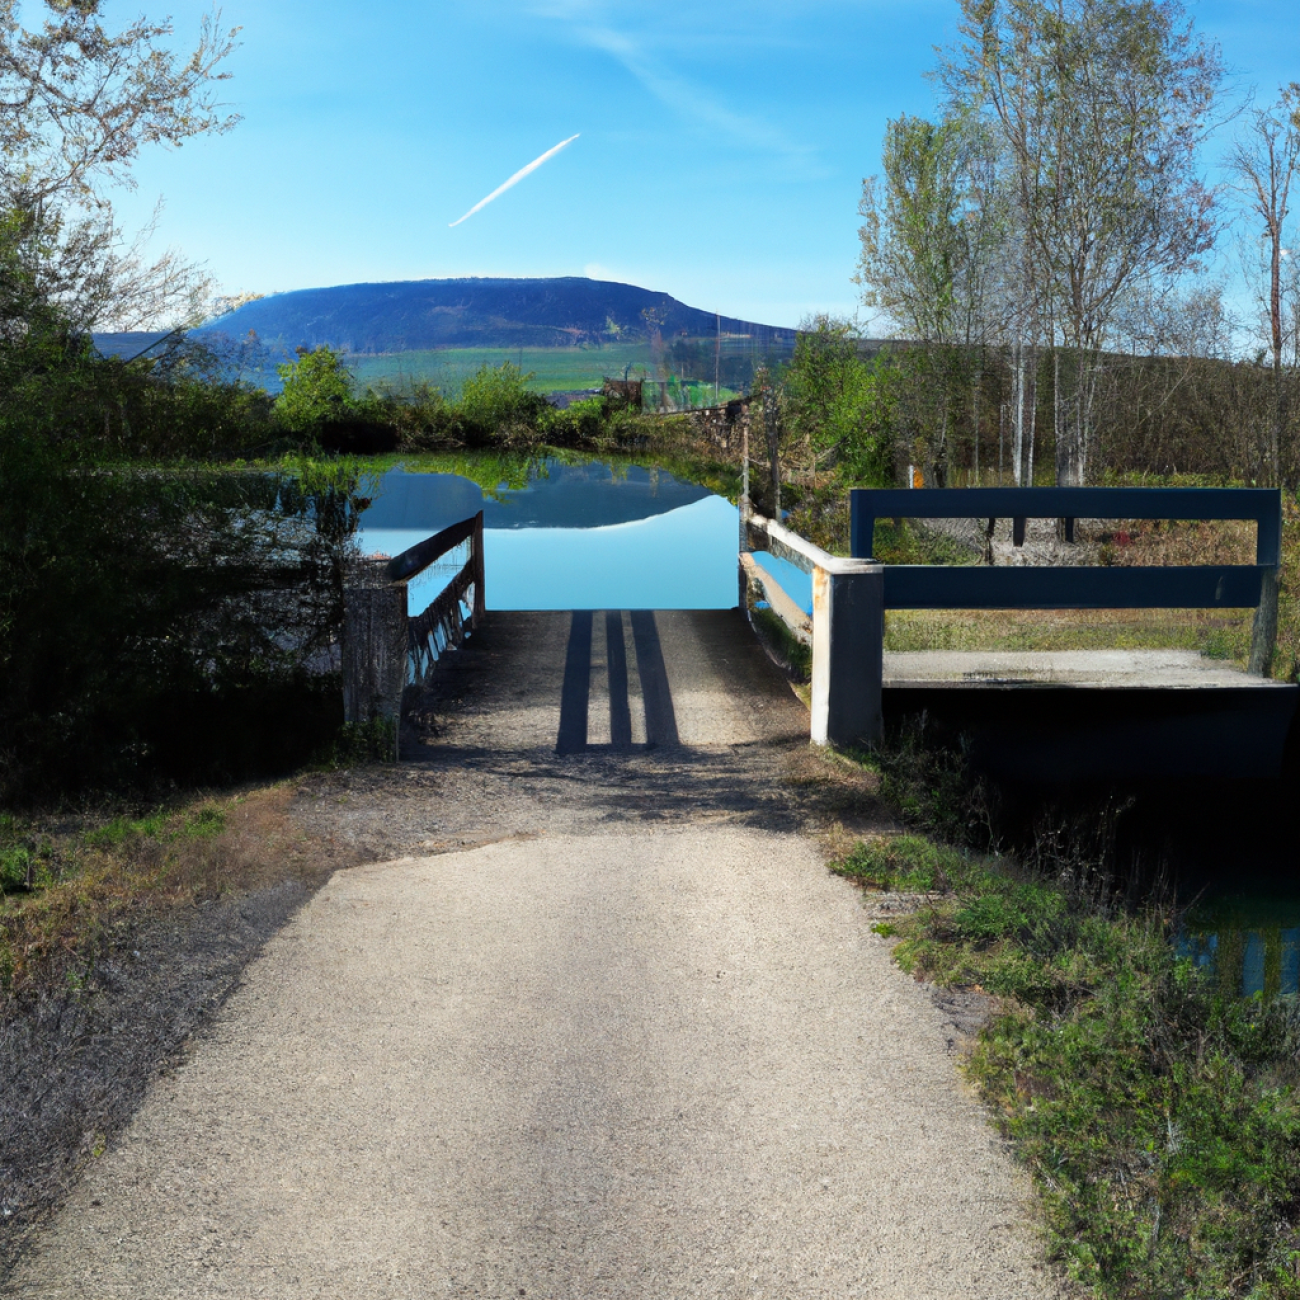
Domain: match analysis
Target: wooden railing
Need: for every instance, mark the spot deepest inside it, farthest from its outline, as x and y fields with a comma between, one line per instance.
x=443, y=622
x=385, y=649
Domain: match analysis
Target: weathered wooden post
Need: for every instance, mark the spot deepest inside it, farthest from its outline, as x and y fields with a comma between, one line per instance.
x=375, y=645
x=746, y=512
x=848, y=652
x=480, y=572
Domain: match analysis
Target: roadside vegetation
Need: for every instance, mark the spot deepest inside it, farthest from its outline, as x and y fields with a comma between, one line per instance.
x=122, y=928
x=1157, y=1109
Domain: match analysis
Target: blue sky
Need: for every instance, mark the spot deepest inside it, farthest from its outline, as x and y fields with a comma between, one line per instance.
x=721, y=153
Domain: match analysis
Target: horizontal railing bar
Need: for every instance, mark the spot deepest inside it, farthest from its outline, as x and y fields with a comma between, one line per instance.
x=778, y=540
x=448, y=598
x=416, y=559
x=1263, y=505
x=925, y=586
x=800, y=552
x=1076, y=503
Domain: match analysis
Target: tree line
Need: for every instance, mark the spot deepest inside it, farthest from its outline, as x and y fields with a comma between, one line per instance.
x=1042, y=248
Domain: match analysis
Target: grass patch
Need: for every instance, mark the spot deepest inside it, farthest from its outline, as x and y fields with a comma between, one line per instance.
x=906, y=541
x=70, y=882
x=785, y=647
x=904, y=864
x=1217, y=633
x=1157, y=1110
x=551, y=369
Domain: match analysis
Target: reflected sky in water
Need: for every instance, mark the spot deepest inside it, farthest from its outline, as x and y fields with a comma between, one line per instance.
x=1253, y=938
x=792, y=580
x=577, y=537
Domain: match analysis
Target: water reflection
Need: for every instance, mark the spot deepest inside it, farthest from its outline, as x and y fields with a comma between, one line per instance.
x=1252, y=942
x=792, y=580
x=591, y=536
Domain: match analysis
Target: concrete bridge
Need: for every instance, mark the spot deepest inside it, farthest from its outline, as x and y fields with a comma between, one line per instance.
x=1042, y=717
x=623, y=680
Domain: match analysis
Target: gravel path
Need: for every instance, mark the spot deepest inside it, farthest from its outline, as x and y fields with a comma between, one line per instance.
x=642, y=1045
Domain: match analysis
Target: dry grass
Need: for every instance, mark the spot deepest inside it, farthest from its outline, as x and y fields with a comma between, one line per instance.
x=92, y=873
x=1218, y=633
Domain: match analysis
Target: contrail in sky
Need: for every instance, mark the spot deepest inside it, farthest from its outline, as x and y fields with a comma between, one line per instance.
x=516, y=178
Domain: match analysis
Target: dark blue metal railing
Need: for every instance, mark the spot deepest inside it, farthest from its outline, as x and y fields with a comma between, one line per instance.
x=940, y=586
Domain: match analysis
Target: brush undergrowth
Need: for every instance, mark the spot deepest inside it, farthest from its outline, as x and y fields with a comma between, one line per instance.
x=1157, y=1109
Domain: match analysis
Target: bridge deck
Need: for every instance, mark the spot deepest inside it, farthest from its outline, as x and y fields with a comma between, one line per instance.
x=1093, y=669
x=619, y=683
x=611, y=681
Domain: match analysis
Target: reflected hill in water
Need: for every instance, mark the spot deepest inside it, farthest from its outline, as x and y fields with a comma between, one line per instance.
x=559, y=496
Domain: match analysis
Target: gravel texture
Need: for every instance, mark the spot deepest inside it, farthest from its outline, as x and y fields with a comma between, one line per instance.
x=655, y=1064
x=603, y=1025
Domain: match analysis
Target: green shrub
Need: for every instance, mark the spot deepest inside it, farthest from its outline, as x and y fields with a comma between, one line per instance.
x=165, y=626
x=496, y=405
x=1158, y=1110
x=581, y=423
x=362, y=742
x=318, y=388
x=930, y=782
x=15, y=868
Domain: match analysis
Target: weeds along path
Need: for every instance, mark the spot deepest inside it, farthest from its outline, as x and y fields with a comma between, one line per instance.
x=611, y=1029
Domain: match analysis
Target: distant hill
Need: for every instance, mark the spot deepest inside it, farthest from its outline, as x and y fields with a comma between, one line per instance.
x=413, y=315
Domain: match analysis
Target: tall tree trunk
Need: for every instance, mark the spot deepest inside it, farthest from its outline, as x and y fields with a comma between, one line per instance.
x=1279, y=391
x=1033, y=418
x=1002, y=434
x=1018, y=437
x=1064, y=427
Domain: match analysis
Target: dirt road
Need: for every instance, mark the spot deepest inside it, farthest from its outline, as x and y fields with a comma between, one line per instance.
x=639, y=1046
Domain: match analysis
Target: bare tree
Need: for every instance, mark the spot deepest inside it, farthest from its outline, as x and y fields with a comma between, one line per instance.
x=1263, y=165
x=77, y=104
x=1102, y=104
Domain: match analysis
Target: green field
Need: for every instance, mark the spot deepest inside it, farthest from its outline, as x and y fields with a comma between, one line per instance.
x=570, y=369
x=553, y=369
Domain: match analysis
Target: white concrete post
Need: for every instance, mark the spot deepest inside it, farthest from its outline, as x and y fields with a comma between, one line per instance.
x=848, y=651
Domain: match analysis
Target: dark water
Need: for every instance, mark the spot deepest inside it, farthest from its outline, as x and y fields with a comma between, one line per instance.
x=591, y=536
x=1241, y=880
x=1224, y=852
